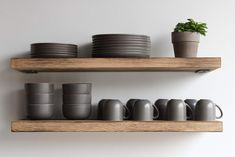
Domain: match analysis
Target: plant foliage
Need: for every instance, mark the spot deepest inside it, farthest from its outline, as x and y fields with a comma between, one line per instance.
x=192, y=26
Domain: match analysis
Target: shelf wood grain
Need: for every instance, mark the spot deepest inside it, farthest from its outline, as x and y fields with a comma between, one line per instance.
x=110, y=126
x=115, y=64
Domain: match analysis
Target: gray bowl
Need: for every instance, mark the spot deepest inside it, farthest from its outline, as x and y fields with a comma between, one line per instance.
x=77, y=88
x=77, y=99
x=39, y=87
x=79, y=112
x=40, y=98
x=40, y=111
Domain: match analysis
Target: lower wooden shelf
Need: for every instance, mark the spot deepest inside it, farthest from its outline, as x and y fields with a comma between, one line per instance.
x=111, y=126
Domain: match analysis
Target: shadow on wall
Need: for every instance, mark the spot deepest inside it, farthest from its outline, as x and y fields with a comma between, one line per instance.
x=103, y=141
x=162, y=46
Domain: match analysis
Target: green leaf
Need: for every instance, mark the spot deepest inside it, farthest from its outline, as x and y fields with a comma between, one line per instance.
x=191, y=26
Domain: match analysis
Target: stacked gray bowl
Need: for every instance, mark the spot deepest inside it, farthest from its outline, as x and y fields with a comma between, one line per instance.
x=77, y=100
x=53, y=50
x=40, y=100
x=121, y=46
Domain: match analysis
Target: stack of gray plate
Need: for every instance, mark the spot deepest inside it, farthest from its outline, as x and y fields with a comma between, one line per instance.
x=40, y=100
x=121, y=46
x=53, y=50
x=77, y=100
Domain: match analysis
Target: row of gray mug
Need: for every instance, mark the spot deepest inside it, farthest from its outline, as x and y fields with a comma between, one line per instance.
x=77, y=105
x=162, y=109
x=189, y=109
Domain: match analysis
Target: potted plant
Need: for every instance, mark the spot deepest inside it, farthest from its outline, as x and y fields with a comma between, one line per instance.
x=186, y=37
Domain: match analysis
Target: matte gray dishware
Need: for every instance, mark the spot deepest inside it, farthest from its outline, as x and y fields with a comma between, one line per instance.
x=77, y=99
x=100, y=106
x=40, y=111
x=53, y=50
x=192, y=103
x=206, y=110
x=114, y=110
x=130, y=104
x=77, y=111
x=44, y=98
x=39, y=88
x=77, y=88
x=40, y=100
x=161, y=105
x=144, y=110
x=176, y=110
x=121, y=46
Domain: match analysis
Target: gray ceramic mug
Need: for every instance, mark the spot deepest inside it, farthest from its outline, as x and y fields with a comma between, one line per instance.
x=177, y=110
x=130, y=104
x=206, y=110
x=161, y=104
x=100, y=106
x=144, y=110
x=192, y=103
x=114, y=110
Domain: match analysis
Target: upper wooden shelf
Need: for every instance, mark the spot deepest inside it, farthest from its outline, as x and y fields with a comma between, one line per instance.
x=111, y=126
x=115, y=64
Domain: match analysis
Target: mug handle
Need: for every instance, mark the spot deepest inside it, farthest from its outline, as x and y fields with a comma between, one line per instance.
x=191, y=112
x=156, y=112
x=221, y=112
x=126, y=111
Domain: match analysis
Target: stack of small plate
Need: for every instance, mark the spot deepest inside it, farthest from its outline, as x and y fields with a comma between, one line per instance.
x=121, y=46
x=53, y=50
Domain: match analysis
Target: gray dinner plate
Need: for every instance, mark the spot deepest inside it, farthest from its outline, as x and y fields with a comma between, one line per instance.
x=53, y=52
x=110, y=42
x=119, y=55
x=45, y=54
x=121, y=51
x=53, y=49
x=121, y=48
x=120, y=35
x=54, y=56
x=121, y=39
x=53, y=45
x=121, y=44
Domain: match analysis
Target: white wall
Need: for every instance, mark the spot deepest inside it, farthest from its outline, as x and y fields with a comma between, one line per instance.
x=75, y=21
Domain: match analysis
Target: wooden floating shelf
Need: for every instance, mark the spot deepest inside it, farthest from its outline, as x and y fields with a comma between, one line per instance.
x=110, y=126
x=115, y=64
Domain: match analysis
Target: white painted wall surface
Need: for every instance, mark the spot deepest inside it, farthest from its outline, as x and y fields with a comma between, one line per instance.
x=75, y=21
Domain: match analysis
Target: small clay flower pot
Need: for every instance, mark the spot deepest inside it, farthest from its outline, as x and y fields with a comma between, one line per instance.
x=185, y=44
